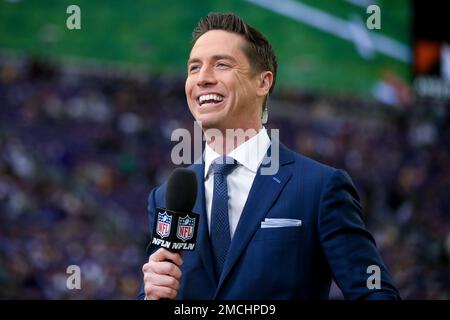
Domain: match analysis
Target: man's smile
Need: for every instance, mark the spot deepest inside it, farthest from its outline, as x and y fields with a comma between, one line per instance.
x=209, y=100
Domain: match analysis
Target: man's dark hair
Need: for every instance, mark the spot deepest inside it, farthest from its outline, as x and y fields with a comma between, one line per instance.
x=258, y=50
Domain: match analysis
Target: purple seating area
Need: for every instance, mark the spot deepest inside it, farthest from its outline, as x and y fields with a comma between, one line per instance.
x=80, y=153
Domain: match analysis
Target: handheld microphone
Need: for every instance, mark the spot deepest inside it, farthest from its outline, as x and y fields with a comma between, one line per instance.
x=175, y=226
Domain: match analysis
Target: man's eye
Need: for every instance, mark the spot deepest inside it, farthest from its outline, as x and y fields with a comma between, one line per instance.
x=222, y=66
x=193, y=69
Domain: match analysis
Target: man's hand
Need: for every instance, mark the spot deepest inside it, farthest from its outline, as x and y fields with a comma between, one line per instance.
x=162, y=277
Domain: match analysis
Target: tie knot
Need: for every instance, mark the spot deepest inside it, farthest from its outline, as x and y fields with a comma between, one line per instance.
x=223, y=165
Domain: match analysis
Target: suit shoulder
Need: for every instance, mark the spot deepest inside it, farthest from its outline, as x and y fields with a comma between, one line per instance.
x=306, y=164
x=319, y=175
x=159, y=191
x=157, y=194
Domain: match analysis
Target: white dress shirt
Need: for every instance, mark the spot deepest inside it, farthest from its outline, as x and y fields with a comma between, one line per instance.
x=249, y=156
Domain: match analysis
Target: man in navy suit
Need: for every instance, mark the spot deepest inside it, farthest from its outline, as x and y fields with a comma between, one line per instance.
x=284, y=235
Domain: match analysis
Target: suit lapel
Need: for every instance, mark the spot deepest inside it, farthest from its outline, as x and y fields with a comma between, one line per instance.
x=264, y=192
x=203, y=243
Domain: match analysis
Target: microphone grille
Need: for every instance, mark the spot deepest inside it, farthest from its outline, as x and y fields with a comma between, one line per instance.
x=181, y=190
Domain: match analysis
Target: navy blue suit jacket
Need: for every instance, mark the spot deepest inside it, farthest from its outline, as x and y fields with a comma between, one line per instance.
x=286, y=262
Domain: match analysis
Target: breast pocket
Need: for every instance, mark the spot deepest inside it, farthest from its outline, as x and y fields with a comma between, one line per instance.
x=281, y=234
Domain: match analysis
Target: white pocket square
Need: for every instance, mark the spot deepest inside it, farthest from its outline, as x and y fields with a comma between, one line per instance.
x=280, y=223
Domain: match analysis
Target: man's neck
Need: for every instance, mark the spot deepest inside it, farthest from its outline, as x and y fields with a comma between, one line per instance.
x=225, y=142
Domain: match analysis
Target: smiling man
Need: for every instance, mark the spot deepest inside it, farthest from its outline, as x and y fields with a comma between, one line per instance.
x=280, y=236
x=223, y=88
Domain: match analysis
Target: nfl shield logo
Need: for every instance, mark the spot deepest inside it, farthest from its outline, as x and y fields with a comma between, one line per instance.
x=163, y=225
x=185, y=229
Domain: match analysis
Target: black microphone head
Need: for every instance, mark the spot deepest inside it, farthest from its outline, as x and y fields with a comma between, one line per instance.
x=181, y=190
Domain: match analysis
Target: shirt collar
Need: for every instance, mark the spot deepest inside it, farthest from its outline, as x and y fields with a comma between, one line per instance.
x=250, y=154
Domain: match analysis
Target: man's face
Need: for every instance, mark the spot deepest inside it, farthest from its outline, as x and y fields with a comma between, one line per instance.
x=221, y=88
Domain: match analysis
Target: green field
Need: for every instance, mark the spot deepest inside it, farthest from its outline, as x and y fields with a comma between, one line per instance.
x=156, y=35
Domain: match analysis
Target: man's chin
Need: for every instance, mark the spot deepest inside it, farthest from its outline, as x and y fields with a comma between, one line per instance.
x=209, y=126
x=208, y=122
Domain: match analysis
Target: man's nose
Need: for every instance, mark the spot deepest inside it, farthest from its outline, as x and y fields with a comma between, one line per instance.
x=206, y=77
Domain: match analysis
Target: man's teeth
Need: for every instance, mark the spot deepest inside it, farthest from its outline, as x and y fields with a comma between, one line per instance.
x=210, y=98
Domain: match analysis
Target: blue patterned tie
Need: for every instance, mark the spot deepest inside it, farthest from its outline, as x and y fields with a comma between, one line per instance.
x=220, y=226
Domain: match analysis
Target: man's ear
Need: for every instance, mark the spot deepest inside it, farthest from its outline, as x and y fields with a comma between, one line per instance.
x=265, y=83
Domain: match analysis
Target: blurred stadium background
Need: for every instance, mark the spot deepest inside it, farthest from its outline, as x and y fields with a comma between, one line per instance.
x=86, y=118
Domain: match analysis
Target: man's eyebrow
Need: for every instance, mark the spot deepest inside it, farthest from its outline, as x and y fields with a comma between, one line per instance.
x=223, y=57
x=193, y=60
x=214, y=58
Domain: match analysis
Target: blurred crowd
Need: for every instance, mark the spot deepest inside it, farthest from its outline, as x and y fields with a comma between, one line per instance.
x=79, y=153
